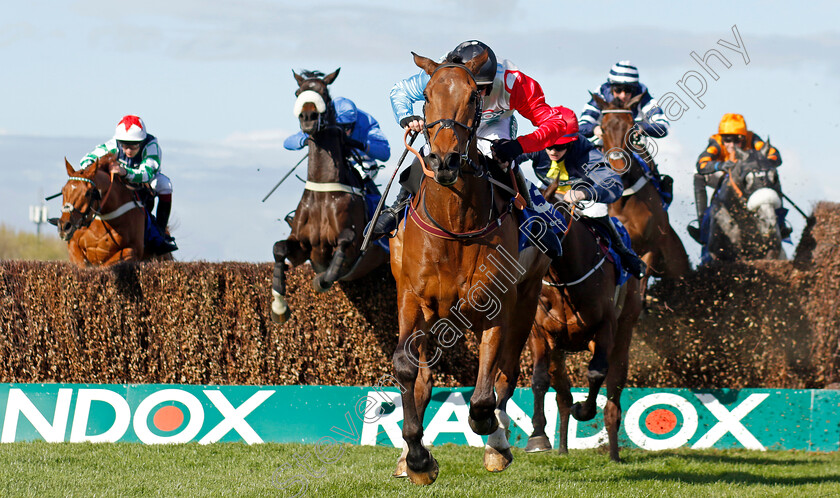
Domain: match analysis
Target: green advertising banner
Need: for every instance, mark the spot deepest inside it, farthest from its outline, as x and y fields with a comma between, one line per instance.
x=653, y=419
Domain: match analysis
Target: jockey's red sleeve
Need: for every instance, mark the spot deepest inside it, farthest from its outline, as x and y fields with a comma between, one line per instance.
x=528, y=99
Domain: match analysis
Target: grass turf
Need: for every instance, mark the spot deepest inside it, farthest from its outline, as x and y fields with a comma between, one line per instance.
x=126, y=469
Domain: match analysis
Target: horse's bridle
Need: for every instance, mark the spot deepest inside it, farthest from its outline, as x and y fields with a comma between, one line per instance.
x=444, y=123
x=86, y=217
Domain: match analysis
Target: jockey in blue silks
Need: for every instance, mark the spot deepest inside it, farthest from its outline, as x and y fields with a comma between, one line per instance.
x=368, y=142
x=583, y=175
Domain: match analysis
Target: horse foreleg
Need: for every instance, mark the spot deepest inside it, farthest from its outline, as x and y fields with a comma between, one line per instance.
x=77, y=256
x=619, y=363
x=595, y=376
x=337, y=269
x=540, y=352
x=674, y=257
x=422, y=395
x=482, y=418
x=126, y=254
x=280, y=311
x=563, y=385
x=409, y=355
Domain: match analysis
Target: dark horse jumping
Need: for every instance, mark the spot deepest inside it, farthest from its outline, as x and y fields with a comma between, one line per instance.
x=582, y=307
x=458, y=268
x=742, y=221
x=640, y=207
x=328, y=225
x=101, y=218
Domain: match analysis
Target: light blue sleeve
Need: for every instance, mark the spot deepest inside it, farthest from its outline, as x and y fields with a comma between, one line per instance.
x=296, y=141
x=406, y=92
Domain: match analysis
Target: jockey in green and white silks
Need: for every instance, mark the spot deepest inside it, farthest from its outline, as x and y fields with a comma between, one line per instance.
x=139, y=158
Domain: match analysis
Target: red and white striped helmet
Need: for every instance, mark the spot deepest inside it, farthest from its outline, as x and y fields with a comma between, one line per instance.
x=130, y=129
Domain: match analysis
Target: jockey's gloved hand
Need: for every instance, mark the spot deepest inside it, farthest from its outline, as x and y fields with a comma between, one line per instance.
x=506, y=150
x=637, y=139
x=355, y=144
x=406, y=121
x=575, y=196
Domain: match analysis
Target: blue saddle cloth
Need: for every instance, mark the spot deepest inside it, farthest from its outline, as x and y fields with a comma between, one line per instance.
x=665, y=197
x=153, y=240
x=544, y=211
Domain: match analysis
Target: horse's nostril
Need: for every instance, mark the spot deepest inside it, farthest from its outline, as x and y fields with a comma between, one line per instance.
x=66, y=226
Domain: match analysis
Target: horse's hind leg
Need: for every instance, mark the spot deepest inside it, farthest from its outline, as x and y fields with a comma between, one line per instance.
x=540, y=352
x=280, y=311
x=337, y=269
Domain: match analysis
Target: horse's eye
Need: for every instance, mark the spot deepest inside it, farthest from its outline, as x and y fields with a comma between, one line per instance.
x=67, y=208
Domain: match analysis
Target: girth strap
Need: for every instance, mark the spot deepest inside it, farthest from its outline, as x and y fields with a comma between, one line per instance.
x=333, y=187
x=128, y=206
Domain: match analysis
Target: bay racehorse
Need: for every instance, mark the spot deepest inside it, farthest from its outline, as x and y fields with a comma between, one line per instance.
x=330, y=218
x=101, y=219
x=458, y=269
x=640, y=208
x=743, y=215
x=581, y=308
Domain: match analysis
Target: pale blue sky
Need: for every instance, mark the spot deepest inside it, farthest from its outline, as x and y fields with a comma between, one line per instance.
x=213, y=82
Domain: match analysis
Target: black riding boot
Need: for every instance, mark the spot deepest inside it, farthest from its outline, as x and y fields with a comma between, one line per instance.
x=164, y=208
x=629, y=259
x=390, y=217
x=701, y=200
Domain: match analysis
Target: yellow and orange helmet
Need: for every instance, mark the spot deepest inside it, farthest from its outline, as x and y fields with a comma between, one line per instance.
x=732, y=124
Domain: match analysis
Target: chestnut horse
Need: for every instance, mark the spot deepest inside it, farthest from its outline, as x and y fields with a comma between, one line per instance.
x=101, y=219
x=581, y=308
x=640, y=207
x=458, y=268
x=329, y=221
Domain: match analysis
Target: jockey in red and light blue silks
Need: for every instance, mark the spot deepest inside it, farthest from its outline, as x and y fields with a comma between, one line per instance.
x=504, y=89
x=365, y=135
x=582, y=174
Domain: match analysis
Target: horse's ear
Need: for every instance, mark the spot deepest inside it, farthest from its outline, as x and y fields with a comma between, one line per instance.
x=766, y=148
x=633, y=102
x=70, y=170
x=300, y=79
x=90, y=170
x=425, y=63
x=599, y=100
x=741, y=154
x=328, y=79
x=476, y=62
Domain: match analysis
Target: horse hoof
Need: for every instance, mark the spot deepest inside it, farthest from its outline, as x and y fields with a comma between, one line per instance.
x=424, y=477
x=537, y=444
x=495, y=460
x=280, y=311
x=401, y=470
x=581, y=414
x=484, y=427
x=318, y=284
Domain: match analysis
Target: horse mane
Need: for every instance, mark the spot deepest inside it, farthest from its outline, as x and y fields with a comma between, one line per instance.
x=310, y=74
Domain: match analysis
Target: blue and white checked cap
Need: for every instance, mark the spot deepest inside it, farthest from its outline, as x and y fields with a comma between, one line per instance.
x=623, y=72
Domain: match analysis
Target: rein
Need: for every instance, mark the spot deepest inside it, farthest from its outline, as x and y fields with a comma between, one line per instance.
x=88, y=216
